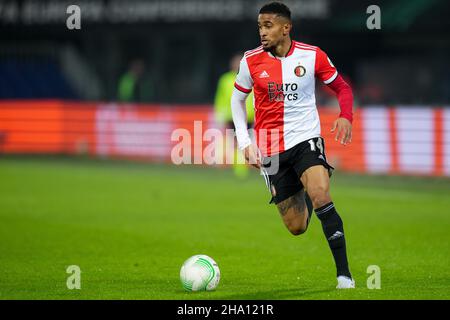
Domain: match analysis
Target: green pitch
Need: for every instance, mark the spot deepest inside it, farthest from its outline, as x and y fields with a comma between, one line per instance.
x=129, y=227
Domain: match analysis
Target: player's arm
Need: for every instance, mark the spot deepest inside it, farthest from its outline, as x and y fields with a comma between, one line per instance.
x=242, y=88
x=327, y=72
x=343, y=125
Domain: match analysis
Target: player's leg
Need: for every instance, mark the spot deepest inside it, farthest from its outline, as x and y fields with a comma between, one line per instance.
x=295, y=213
x=316, y=180
x=288, y=193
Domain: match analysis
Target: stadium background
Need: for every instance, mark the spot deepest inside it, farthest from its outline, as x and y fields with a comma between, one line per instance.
x=76, y=159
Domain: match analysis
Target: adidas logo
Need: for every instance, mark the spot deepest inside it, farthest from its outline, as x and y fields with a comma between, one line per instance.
x=336, y=235
x=264, y=74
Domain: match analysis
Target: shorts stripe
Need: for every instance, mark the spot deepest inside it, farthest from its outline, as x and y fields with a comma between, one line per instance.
x=266, y=178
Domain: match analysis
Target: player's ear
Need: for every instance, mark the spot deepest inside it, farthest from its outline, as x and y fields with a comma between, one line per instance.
x=287, y=28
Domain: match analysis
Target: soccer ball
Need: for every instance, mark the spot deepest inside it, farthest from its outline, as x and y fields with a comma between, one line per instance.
x=200, y=273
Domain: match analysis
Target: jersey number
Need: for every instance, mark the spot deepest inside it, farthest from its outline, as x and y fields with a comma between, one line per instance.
x=318, y=144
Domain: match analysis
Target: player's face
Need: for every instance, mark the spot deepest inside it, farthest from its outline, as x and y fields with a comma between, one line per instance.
x=272, y=30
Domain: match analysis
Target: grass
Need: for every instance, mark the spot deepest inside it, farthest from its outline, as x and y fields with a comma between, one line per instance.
x=129, y=227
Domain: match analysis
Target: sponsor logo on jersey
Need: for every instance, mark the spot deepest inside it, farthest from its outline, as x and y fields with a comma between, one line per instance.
x=264, y=74
x=282, y=92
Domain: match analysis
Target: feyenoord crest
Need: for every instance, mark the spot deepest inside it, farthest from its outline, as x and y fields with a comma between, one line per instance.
x=299, y=71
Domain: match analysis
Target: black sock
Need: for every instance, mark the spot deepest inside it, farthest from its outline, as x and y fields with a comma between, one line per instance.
x=333, y=229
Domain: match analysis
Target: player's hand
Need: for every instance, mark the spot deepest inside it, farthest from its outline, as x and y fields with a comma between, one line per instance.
x=252, y=157
x=343, y=129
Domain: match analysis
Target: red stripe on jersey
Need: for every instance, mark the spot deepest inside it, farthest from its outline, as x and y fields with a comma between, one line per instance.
x=253, y=50
x=269, y=113
x=254, y=53
x=248, y=53
x=244, y=90
x=305, y=45
x=305, y=48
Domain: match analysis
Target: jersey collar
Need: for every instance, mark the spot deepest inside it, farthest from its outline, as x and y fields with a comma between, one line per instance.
x=291, y=50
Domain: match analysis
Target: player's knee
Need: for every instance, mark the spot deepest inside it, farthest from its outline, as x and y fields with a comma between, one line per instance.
x=319, y=195
x=297, y=228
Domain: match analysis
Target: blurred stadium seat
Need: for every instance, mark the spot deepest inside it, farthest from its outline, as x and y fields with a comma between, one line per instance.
x=33, y=78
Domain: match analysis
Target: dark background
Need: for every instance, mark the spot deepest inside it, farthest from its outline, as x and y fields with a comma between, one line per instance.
x=406, y=62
